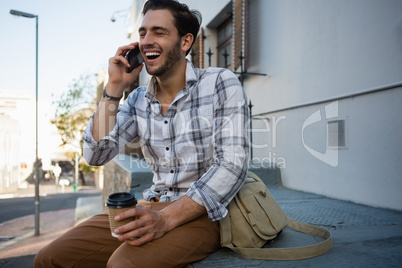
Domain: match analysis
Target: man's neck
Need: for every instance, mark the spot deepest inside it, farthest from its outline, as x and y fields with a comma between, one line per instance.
x=170, y=83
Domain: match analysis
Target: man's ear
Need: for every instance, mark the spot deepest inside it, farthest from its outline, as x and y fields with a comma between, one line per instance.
x=186, y=42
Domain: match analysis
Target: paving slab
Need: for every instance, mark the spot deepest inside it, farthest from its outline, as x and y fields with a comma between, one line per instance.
x=363, y=236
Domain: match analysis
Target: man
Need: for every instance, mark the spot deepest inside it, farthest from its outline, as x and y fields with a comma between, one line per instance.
x=192, y=125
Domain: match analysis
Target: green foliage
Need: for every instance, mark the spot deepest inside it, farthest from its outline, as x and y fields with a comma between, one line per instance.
x=73, y=109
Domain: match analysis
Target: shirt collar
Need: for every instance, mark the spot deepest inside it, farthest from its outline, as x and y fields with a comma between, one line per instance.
x=191, y=76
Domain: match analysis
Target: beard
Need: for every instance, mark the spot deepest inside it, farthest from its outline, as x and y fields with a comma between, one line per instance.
x=173, y=56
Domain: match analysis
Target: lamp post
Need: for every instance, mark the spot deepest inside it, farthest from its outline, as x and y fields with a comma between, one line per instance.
x=37, y=202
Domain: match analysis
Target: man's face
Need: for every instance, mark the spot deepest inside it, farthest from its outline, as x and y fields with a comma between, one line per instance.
x=160, y=42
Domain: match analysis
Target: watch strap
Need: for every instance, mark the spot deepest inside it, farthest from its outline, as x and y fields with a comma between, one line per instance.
x=108, y=97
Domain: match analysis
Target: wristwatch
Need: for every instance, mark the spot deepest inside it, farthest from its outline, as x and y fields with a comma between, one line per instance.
x=108, y=97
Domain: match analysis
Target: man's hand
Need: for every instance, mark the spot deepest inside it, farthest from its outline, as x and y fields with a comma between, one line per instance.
x=119, y=79
x=152, y=224
x=149, y=225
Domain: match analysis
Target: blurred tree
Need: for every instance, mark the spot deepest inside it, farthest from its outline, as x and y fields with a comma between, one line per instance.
x=73, y=109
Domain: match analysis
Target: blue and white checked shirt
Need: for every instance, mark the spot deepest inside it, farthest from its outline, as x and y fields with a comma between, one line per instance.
x=198, y=148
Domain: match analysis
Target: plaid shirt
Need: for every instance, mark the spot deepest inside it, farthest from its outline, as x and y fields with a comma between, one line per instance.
x=198, y=148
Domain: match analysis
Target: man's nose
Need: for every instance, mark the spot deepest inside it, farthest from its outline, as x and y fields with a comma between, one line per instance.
x=147, y=40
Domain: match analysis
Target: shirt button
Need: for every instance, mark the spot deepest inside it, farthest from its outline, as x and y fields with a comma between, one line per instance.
x=170, y=189
x=172, y=171
x=166, y=122
x=167, y=148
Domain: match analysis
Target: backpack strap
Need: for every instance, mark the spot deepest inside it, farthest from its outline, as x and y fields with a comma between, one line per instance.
x=296, y=253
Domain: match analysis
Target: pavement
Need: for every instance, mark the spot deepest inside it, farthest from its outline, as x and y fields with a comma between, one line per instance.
x=18, y=243
x=363, y=236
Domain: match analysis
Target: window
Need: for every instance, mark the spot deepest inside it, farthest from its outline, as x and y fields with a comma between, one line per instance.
x=225, y=32
x=229, y=25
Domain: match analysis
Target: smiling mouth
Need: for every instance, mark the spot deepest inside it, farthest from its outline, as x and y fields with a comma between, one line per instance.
x=152, y=55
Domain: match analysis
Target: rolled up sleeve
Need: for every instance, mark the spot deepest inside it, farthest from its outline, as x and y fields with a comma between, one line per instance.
x=124, y=131
x=217, y=187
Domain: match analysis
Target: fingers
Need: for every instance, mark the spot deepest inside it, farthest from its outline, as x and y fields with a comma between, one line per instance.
x=120, y=56
x=138, y=236
x=131, y=231
x=145, y=228
x=118, y=65
x=135, y=233
x=119, y=60
x=130, y=213
x=137, y=70
x=122, y=51
x=138, y=241
x=133, y=225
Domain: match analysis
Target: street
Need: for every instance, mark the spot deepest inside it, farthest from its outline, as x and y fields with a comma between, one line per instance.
x=18, y=245
x=13, y=208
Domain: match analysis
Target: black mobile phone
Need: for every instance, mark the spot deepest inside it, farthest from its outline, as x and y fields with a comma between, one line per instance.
x=134, y=59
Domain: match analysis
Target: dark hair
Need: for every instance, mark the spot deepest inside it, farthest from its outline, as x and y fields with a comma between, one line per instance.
x=185, y=20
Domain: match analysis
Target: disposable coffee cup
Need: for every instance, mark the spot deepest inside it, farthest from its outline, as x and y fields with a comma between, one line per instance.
x=117, y=203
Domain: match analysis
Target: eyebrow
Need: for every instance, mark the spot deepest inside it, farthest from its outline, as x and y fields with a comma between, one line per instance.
x=154, y=29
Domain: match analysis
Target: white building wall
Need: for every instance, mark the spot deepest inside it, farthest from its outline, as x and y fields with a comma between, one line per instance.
x=319, y=50
x=9, y=153
x=367, y=171
x=314, y=52
x=16, y=141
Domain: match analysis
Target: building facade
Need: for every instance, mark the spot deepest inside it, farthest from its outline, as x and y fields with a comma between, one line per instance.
x=324, y=81
x=16, y=147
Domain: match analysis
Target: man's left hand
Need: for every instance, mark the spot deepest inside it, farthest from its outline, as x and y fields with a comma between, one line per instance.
x=149, y=225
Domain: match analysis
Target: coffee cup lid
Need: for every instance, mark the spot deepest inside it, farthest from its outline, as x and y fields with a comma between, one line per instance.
x=121, y=200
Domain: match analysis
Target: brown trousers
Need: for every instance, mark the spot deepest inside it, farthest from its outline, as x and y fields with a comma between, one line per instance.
x=90, y=244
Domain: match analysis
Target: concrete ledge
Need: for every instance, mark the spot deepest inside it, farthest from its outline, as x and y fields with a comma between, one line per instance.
x=126, y=173
x=87, y=207
x=270, y=174
x=363, y=236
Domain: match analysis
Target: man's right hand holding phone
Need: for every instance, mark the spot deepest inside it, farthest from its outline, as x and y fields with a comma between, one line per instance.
x=119, y=78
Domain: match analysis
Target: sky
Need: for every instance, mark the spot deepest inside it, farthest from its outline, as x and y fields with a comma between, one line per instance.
x=76, y=37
